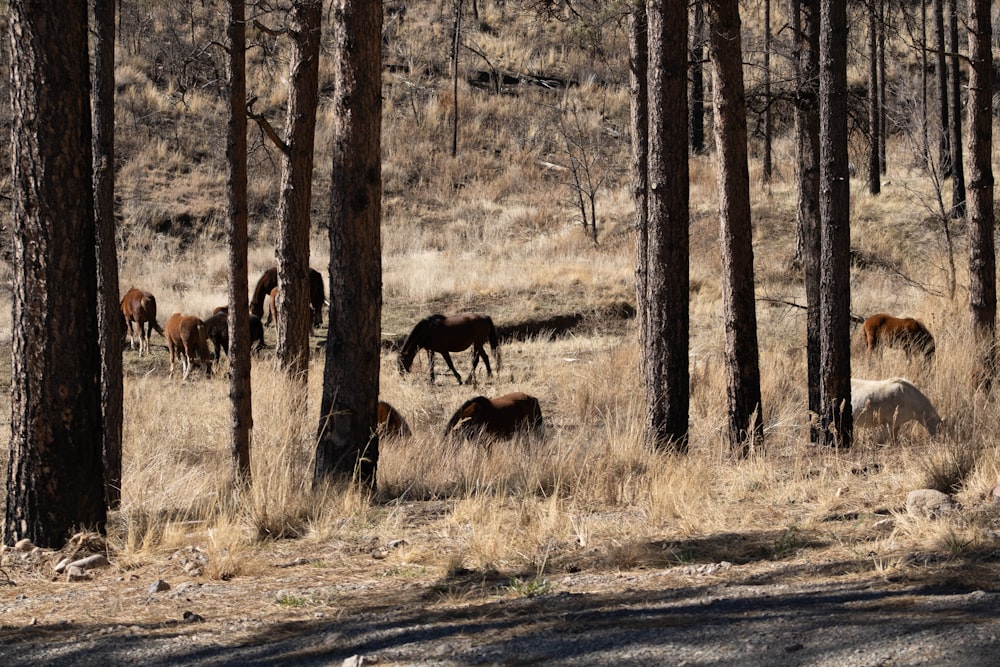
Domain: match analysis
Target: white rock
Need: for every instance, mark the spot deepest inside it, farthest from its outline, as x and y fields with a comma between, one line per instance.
x=929, y=503
x=91, y=562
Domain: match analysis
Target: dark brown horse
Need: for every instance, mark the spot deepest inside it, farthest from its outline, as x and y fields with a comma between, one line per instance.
x=185, y=336
x=500, y=417
x=441, y=334
x=390, y=423
x=139, y=313
x=269, y=281
x=904, y=333
x=217, y=331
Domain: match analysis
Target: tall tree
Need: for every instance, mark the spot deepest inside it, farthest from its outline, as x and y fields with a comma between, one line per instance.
x=955, y=95
x=108, y=307
x=805, y=21
x=835, y=227
x=982, y=255
x=639, y=117
x=766, y=166
x=697, y=119
x=736, y=234
x=347, y=445
x=941, y=72
x=668, y=242
x=874, y=113
x=294, y=322
x=241, y=411
x=55, y=474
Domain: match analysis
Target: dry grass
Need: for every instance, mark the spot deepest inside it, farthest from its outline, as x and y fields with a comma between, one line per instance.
x=489, y=230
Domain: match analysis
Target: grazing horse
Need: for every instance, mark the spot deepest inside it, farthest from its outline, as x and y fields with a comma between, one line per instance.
x=499, y=417
x=269, y=281
x=390, y=423
x=888, y=404
x=185, y=336
x=217, y=331
x=904, y=333
x=139, y=312
x=441, y=334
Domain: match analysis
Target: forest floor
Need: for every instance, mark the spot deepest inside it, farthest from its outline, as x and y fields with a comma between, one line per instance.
x=323, y=602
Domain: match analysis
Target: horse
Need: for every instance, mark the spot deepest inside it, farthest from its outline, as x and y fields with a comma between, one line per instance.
x=390, y=423
x=903, y=333
x=499, y=417
x=272, y=307
x=441, y=334
x=217, y=331
x=269, y=280
x=185, y=336
x=138, y=310
x=889, y=404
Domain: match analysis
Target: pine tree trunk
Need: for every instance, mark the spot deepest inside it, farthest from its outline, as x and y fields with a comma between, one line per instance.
x=958, y=207
x=835, y=231
x=294, y=319
x=667, y=261
x=697, y=102
x=874, y=114
x=736, y=236
x=944, y=137
x=982, y=256
x=55, y=474
x=347, y=446
x=241, y=411
x=108, y=297
x=638, y=58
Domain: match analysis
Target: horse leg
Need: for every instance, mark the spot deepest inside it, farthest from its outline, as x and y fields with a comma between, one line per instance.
x=481, y=351
x=447, y=360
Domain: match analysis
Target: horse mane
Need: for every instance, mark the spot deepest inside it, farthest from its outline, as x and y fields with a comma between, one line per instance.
x=415, y=336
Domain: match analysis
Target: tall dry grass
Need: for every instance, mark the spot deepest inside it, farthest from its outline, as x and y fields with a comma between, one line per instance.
x=492, y=230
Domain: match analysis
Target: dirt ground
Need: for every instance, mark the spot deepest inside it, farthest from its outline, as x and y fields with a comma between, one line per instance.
x=306, y=602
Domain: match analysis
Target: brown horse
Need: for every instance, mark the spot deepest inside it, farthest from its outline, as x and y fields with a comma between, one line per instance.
x=499, y=417
x=269, y=281
x=185, y=336
x=139, y=312
x=904, y=333
x=390, y=423
x=441, y=334
x=217, y=331
x=272, y=307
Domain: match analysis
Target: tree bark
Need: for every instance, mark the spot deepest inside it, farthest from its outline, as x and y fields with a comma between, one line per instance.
x=108, y=297
x=958, y=207
x=805, y=24
x=667, y=261
x=697, y=102
x=294, y=321
x=835, y=235
x=944, y=136
x=347, y=446
x=639, y=109
x=982, y=255
x=766, y=166
x=241, y=410
x=736, y=235
x=874, y=114
x=55, y=474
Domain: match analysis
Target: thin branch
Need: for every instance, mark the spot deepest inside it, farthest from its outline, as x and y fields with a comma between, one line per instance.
x=266, y=127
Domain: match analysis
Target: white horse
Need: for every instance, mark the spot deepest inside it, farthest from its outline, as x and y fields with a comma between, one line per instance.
x=889, y=404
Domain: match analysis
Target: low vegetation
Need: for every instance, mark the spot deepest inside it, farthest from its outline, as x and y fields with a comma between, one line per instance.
x=492, y=230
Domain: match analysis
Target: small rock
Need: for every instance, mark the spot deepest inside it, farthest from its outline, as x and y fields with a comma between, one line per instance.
x=24, y=545
x=191, y=617
x=158, y=586
x=74, y=573
x=884, y=524
x=61, y=565
x=91, y=562
x=930, y=503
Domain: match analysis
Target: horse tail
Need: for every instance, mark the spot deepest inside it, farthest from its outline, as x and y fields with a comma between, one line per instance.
x=494, y=343
x=156, y=327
